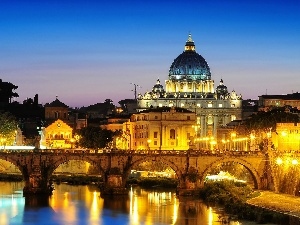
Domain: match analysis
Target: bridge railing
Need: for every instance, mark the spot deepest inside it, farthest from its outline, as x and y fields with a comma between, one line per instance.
x=134, y=152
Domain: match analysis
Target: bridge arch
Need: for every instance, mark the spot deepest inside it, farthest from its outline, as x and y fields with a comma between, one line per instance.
x=16, y=162
x=9, y=166
x=68, y=158
x=168, y=161
x=253, y=171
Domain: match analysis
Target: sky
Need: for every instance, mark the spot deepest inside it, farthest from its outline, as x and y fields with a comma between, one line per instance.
x=87, y=51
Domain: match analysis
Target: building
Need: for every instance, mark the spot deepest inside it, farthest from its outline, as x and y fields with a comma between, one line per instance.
x=57, y=135
x=287, y=137
x=56, y=110
x=268, y=102
x=190, y=86
x=162, y=128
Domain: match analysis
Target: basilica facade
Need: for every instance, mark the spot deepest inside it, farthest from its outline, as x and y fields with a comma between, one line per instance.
x=190, y=86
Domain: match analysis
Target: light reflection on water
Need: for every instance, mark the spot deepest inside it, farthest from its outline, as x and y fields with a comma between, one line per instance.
x=84, y=205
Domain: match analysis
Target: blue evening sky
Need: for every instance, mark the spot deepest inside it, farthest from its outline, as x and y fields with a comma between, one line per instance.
x=87, y=51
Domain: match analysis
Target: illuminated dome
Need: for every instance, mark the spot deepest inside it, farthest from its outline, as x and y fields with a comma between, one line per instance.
x=158, y=88
x=221, y=90
x=189, y=65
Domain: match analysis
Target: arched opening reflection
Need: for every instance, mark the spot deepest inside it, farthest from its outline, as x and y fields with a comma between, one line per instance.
x=155, y=168
x=74, y=167
x=230, y=171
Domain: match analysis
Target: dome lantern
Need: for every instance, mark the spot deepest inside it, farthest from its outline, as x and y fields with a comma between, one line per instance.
x=189, y=45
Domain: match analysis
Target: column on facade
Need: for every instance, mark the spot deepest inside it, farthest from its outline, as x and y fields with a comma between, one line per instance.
x=211, y=87
x=177, y=87
x=224, y=120
x=194, y=87
x=163, y=136
x=203, y=126
x=179, y=137
x=204, y=86
x=185, y=87
x=215, y=125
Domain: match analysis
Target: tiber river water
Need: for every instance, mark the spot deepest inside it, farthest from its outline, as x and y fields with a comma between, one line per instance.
x=83, y=205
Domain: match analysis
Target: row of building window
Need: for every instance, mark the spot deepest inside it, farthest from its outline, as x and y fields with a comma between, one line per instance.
x=209, y=105
x=56, y=136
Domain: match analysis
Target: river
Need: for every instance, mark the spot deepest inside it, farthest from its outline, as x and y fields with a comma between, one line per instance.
x=83, y=205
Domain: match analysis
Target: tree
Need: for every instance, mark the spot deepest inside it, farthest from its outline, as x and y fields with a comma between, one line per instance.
x=6, y=91
x=94, y=137
x=8, y=127
x=265, y=120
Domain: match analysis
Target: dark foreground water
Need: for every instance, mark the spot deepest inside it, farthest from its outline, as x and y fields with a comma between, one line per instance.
x=83, y=205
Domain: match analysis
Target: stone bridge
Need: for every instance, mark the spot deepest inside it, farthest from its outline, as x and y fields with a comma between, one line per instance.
x=115, y=166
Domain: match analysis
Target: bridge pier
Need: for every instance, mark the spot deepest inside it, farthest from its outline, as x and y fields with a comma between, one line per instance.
x=37, y=185
x=114, y=185
x=187, y=187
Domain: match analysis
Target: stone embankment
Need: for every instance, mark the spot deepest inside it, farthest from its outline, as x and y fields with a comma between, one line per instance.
x=282, y=203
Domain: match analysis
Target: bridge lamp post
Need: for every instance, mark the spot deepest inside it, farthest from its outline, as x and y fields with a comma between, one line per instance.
x=225, y=144
x=233, y=138
x=212, y=145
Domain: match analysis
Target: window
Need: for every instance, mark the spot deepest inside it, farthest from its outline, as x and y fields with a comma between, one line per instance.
x=159, y=105
x=155, y=135
x=209, y=105
x=156, y=117
x=220, y=105
x=188, y=118
x=155, y=142
x=182, y=104
x=198, y=105
x=172, y=134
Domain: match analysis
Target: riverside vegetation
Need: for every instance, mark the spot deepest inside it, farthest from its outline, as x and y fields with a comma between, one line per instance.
x=233, y=197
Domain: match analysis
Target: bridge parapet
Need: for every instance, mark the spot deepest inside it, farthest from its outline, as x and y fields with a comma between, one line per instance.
x=135, y=152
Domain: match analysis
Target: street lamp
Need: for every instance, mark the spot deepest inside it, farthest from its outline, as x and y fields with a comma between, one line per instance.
x=279, y=161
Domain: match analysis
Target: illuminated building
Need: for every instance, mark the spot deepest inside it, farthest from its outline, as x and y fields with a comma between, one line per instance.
x=58, y=135
x=163, y=128
x=267, y=102
x=287, y=137
x=190, y=86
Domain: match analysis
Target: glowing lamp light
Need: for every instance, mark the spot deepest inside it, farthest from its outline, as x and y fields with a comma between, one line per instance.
x=283, y=133
x=294, y=161
x=279, y=161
